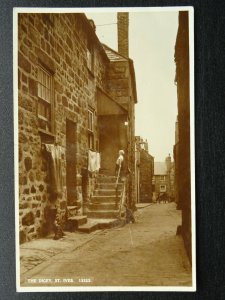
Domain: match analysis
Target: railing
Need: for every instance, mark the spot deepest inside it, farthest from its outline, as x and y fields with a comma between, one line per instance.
x=122, y=199
x=118, y=176
x=116, y=187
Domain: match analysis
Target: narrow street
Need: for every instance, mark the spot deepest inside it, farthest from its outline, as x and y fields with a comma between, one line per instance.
x=147, y=252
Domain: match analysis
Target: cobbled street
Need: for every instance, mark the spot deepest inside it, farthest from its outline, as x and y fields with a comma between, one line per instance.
x=146, y=253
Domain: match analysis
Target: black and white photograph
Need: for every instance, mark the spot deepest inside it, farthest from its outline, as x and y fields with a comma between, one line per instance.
x=104, y=149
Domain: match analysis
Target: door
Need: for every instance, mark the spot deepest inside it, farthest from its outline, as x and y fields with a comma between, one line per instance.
x=71, y=162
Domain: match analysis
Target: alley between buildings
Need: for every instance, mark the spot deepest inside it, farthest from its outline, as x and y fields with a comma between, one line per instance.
x=146, y=253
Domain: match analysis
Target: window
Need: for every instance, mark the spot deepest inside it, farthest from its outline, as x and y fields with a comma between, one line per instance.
x=162, y=188
x=162, y=177
x=91, y=129
x=90, y=120
x=91, y=141
x=45, y=99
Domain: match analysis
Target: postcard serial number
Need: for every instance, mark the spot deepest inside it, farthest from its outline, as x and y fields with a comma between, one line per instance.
x=84, y=280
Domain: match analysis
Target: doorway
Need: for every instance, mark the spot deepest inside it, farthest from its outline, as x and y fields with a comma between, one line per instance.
x=71, y=164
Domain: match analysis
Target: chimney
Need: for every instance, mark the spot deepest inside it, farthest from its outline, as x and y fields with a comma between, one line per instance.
x=168, y=162
x=123, y=32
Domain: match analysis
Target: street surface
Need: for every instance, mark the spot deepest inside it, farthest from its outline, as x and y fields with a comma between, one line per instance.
x=146, y=253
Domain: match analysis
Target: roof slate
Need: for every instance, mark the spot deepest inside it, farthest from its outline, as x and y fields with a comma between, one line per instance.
x=113, y=55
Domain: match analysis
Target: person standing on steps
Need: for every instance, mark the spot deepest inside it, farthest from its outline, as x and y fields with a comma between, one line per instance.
x=119, y=164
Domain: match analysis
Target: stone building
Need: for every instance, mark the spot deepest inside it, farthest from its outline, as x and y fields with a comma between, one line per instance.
x=68, y=86
x=182, y=147
x=144, y=171
x=121, y=86
x=163, y=179
x=176, y=164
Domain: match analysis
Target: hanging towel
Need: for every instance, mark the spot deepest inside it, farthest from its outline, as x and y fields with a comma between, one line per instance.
x=91, y=161
x=55, y=167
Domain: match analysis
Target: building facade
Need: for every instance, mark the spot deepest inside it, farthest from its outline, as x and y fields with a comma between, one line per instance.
x=182, y=147
x=176, y=164
x=144, y=171
x=64, y=99
x=163, y=180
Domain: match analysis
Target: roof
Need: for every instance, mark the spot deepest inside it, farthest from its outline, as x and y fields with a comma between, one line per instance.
x=114, y=55
x=160, y=168
x=92, y=33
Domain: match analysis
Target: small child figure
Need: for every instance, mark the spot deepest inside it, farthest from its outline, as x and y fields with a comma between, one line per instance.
x=58, y=230
x=129, y=215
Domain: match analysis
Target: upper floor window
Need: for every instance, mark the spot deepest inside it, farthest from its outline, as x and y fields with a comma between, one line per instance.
x=162, y=188
x=45, y=99
x=162, y=177
x=90, y=120
x=91, y=129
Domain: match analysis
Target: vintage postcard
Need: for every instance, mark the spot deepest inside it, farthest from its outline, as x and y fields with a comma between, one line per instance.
x=104, y=149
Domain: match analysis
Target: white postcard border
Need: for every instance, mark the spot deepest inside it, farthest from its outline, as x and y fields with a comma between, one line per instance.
x=17, y=10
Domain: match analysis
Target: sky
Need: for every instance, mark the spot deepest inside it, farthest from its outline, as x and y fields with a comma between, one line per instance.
x=152, y=37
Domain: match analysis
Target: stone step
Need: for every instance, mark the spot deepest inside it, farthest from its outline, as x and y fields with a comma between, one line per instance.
x=107, y=192
x=102, y=206
x=101, y=199
x=88, y=227
x=78, y=203
x=108, y=223
x=75, y=221
x=72, y=210
x=95, y=224
x=103, y=214
x=106, y=179
x=109, y=186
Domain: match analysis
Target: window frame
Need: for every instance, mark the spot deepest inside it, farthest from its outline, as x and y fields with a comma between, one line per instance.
x=90, y=127
x=45, y=98
x=162, y=189
x=90, y=120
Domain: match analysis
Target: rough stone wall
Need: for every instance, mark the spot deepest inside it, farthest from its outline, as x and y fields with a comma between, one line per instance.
x=146, y=174
x=183, y=155
x=176, y=173
x=118, y=82
x=59, y=43
x=172, y=181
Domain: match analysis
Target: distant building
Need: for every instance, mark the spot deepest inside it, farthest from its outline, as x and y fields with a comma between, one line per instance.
x=163, y=179
x=144, y=171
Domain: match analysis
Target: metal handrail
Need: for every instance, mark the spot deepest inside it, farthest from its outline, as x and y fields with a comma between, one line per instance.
x=116, y=187
x=118, y=176
x=123, y=194
x=123, y=197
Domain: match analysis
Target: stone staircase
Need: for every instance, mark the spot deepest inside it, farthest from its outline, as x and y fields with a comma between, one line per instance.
x=103, y=209
x=105, y=200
